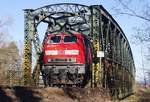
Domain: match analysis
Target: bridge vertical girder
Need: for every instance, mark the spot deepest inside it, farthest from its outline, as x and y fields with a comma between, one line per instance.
x=97, y=46
x=28, y=36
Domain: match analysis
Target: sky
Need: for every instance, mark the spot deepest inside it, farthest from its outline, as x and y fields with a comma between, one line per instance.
x=12, y=11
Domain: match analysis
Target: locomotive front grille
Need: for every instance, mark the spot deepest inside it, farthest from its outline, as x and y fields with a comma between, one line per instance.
x=67, y=68
x=60, y=60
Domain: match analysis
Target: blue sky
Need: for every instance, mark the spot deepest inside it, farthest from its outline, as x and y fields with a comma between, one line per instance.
x=13, y=9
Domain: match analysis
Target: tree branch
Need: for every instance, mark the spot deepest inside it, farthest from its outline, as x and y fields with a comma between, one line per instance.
x=138, y=16
x=133, y=13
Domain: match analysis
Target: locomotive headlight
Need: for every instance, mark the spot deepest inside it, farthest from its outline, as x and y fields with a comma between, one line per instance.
x=51, y=52
x=71, y=52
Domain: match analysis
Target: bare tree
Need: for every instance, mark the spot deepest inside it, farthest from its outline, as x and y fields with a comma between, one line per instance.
x=125, y=9
x=142, y=32
x=5, y=23
x=143, y=12
x=10, y=59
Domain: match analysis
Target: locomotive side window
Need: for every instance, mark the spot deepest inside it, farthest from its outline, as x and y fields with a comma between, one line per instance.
x=70, y=39
x=55, y=39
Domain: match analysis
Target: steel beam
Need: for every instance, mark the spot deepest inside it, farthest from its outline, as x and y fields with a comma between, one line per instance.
x=96, y=29
x=29, y=32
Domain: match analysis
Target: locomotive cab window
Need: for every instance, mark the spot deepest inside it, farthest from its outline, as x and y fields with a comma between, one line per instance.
x=55, y=39
x=70, y=39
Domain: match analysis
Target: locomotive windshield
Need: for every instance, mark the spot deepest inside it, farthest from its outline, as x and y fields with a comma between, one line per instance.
x=70, y=39
x=55, y=39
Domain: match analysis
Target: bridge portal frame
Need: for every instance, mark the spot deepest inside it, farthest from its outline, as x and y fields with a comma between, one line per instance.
x=93, y=21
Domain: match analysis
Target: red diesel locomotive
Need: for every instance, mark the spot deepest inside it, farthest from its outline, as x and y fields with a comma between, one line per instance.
x=67, y=58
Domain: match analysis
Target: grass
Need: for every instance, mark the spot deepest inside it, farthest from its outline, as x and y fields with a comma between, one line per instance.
x=144, y=95
x=141, y=94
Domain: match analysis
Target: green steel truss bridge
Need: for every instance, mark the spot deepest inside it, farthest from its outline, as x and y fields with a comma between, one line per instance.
x=115, y=70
